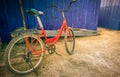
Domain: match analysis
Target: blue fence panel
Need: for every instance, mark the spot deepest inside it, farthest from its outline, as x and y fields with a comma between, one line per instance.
x=110, y=14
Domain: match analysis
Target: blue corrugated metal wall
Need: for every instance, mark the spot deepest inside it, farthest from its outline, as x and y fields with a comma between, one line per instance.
x=83, y=14
x=110, y=14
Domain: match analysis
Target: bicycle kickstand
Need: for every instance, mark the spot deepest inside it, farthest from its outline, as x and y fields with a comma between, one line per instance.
x=57, y=53
x=35, y=70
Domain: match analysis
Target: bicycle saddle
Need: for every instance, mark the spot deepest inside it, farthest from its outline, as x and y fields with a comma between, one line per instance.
x=34, y=12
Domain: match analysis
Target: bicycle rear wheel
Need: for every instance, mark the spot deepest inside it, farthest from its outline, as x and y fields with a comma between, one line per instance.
x=24, y=53
x=69, y=41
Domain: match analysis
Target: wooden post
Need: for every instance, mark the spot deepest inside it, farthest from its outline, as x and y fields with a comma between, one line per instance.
x=22, y=12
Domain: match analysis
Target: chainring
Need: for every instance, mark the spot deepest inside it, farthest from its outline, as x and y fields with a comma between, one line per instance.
x=51, y=49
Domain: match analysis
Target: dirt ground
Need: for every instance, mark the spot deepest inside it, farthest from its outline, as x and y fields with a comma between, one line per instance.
x=94, y=56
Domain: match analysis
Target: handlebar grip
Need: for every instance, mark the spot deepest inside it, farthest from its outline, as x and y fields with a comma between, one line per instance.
x=73, y=0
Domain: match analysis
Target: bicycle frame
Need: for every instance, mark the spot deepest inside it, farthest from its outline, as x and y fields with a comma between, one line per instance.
x=48, y=41
x=53, y=40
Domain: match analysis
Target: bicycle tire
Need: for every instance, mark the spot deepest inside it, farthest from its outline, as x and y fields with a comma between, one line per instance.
x=69, y=41
x=16, y=49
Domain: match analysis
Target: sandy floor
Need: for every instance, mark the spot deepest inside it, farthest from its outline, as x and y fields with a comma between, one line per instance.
x=95, y=56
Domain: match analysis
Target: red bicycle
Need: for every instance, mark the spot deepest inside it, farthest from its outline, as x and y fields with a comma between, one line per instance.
x=25, y=52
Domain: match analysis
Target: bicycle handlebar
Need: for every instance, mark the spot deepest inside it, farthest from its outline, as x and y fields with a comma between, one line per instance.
x=36, y=12
x=61, y=10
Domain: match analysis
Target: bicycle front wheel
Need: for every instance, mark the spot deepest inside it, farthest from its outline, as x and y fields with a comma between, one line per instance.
x=24, y=53
x=69, y=41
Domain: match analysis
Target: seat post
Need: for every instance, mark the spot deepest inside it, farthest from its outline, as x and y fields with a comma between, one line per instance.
x=63, y=14
x=39, y=22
